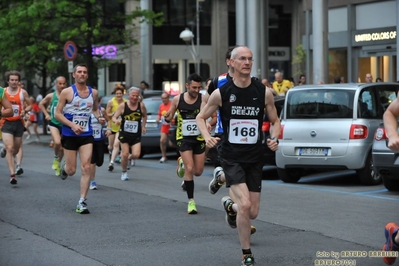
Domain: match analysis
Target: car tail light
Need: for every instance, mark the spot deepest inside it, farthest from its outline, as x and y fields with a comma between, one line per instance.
x=380, y=134
x=280, y=136
x=358, y=132
x=265, y=126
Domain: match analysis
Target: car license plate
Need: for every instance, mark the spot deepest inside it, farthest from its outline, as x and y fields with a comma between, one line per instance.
x=313, y=151
x=151, y=125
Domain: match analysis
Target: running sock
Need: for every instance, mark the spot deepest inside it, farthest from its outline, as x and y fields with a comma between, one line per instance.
x=189, y=188
x=81, y=200
x=246, y=251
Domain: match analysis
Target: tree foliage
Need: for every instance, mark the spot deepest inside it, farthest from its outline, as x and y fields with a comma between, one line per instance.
x=299, y=59
x=33, y=33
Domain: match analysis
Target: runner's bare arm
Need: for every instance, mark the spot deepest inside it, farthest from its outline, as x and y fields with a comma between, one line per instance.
x=214, y=102
x=7, y=108
x=117, y=114
x=144, y=118
x=65, y=96
x=27, y=103
x=43, y=104
x=172, y=110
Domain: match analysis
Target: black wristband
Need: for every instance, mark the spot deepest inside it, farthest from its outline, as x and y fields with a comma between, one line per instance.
x=276, y=139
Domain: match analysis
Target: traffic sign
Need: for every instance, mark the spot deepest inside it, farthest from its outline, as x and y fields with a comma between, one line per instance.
x=70, y=51
x=70, y=66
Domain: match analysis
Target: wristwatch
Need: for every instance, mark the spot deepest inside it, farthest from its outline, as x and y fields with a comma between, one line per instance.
x=276, y=139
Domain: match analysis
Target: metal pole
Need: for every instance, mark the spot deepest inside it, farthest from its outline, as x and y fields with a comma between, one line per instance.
x=198, y=40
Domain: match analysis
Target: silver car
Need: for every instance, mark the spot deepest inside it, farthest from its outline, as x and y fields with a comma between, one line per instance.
x=331, y=126
x=386, y=161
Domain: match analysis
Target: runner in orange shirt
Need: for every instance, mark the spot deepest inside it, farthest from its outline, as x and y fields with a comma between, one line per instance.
x=163, y=109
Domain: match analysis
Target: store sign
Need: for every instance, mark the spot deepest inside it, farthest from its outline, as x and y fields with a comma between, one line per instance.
x=375, y=36
x=105, y=51
x=279, y=53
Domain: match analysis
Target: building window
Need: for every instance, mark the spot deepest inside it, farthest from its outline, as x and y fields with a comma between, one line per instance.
x=178, y=15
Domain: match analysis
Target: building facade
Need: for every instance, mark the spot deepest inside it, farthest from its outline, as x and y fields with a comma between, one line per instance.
x=358, y=37
x=361, y=39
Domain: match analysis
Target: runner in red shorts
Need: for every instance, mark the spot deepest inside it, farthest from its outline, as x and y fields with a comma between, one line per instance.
x=163, y=109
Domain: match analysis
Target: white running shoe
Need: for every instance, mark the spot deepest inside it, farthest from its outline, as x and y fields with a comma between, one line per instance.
x=93, y=185
x=162, y=160
x=124, y=176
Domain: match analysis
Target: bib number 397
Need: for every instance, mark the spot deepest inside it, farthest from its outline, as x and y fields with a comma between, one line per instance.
x=82, y=121
x=243, y=131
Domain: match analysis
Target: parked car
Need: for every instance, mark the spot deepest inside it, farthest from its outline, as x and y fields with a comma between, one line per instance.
x=331, y=126
x=386, y=161
x=150, y=140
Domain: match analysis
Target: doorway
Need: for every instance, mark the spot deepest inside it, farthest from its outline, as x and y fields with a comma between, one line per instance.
x=379, y=64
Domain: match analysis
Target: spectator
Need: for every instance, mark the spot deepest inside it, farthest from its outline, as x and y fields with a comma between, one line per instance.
x=280, y=85
x=266, y=83
x=337, y=80
x=342, y=80
x=378, y=79
x=302, y=80
x=369, y=78
x=144, y=86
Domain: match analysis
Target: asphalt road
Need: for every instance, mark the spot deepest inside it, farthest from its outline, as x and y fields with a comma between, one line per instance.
x=144, y=221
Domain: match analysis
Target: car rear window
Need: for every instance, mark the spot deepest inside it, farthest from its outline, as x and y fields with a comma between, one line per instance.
x=320, y=103
x=152, y=105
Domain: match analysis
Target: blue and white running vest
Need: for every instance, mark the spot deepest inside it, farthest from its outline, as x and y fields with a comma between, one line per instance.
x=79, y=112
x=222, y=79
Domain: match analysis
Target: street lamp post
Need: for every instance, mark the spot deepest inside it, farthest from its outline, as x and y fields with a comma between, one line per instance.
x=188, y=36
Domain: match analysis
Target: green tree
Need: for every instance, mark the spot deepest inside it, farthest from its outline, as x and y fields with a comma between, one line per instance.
x=33, y=33
x=299, y=60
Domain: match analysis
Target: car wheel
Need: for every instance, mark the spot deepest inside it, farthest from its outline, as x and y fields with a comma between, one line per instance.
x=367, y=175
x=290, y=175
x=390, y=184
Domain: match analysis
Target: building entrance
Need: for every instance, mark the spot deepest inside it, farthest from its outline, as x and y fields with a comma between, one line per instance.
x=380, y=64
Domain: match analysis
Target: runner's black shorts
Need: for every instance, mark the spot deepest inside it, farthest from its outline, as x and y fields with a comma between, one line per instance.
x=74, y=143
x=197, y=146
x=15, y=128
x=130, y=139
x=51, y=124
x=249, y=173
